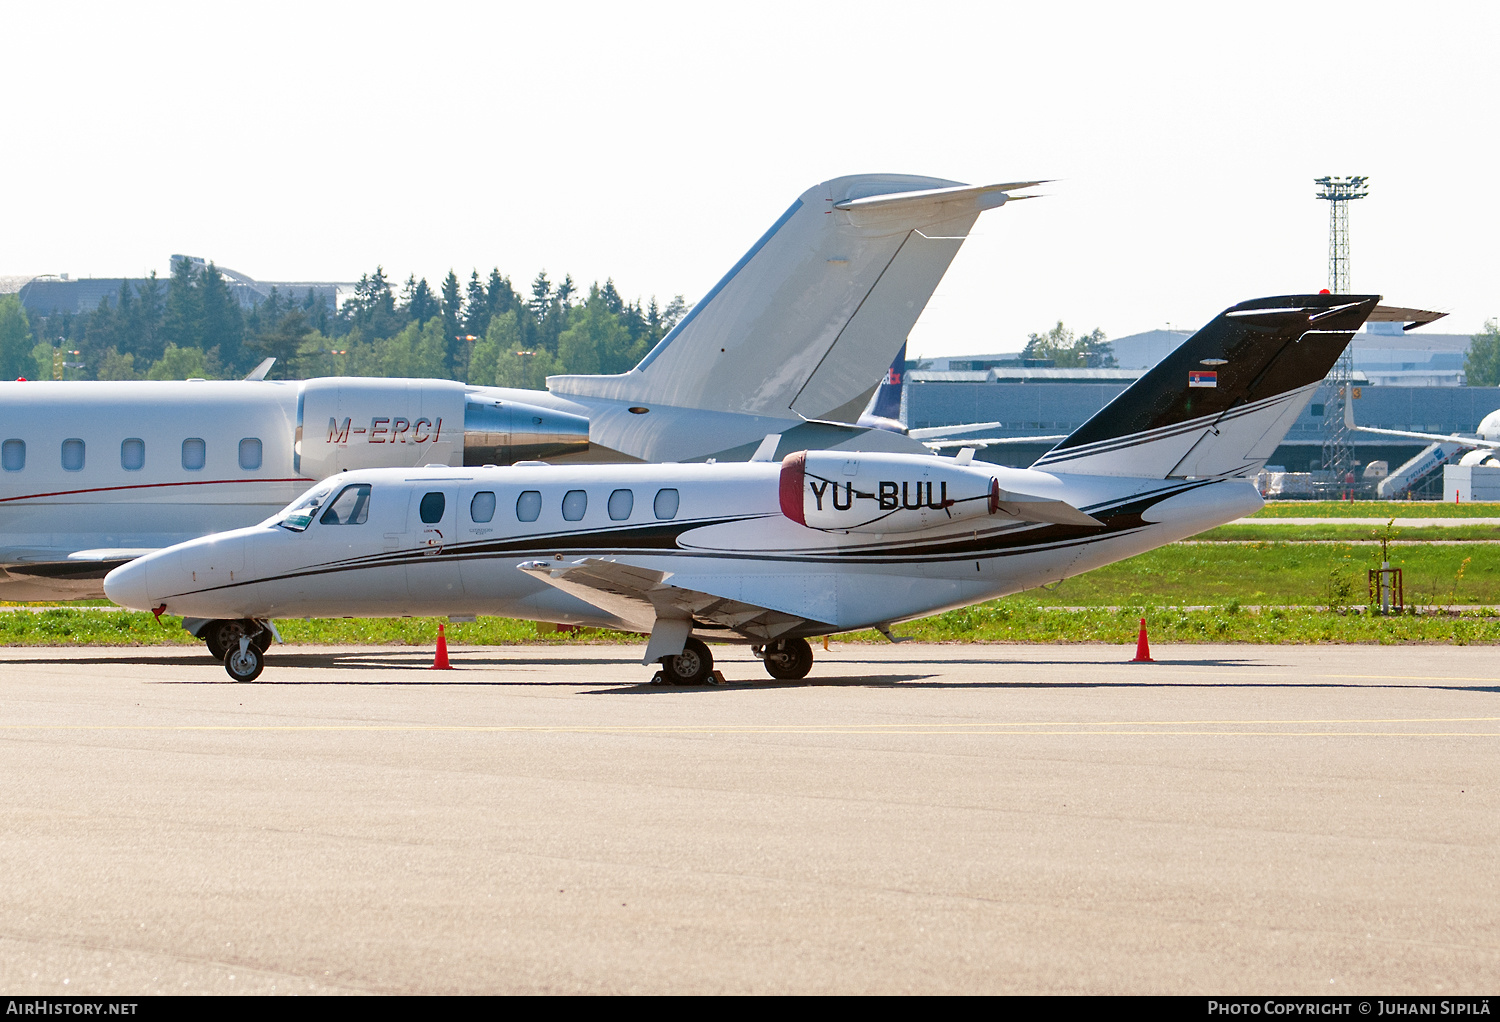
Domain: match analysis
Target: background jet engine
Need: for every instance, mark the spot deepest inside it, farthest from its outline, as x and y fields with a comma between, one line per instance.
x=884, y=493
x=505, y=432
x=346, y=423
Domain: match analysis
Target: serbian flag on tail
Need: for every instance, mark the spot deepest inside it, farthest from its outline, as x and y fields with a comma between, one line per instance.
x=1203, y=378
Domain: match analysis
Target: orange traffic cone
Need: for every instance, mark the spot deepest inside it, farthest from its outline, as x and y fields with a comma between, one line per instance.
x=1142, y=647
x=440, y=662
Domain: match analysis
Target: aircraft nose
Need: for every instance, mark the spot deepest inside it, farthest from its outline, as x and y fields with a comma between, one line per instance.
x=128, y=587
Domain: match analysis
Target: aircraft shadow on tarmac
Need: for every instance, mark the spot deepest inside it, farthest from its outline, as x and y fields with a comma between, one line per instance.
x=413, y=665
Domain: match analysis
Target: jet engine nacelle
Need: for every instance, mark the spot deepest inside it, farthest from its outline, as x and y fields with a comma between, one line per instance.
x=503, y=432
x=346, y=423
x=862, y=492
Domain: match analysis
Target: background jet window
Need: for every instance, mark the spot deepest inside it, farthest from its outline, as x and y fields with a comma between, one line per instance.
x=528, y=506
x=13, y=455
x=666, y=504
x=72, y=455
x=575, y=503
x=250, y=454
x=432, y=507
x=621, y=502
x=351, y=506
x=482, y=507
x=194, y=453
x=133, y=454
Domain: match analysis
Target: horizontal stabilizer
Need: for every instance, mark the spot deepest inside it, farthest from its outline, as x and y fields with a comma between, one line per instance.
x=1413, y=318
x=1027, y=508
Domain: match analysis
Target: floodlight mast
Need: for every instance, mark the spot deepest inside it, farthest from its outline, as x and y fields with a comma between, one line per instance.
x=1338, y=440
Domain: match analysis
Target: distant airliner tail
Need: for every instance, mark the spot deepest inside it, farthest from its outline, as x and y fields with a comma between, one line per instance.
x=1223, y=401
x=884, y=410
x=800, y=326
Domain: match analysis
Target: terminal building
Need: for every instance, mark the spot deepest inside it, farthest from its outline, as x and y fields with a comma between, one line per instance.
x=1411, y=381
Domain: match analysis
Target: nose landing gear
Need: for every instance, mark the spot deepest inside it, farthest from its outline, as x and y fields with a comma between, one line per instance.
x=245, y=661
x=223, y=636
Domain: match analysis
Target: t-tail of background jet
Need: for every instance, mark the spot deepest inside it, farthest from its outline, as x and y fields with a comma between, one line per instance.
x=830, y=291
x=1221, y=403
x=884, y=409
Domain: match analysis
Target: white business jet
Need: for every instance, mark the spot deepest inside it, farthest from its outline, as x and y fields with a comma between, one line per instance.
x=769, y=553
x=791, y=341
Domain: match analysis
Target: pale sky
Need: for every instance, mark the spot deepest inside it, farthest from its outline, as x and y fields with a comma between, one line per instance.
x=656, y=142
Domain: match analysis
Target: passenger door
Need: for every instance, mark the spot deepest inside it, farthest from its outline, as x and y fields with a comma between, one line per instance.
x=432, y=579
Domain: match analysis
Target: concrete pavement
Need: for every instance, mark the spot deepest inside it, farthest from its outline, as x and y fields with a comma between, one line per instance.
x=1048, y=819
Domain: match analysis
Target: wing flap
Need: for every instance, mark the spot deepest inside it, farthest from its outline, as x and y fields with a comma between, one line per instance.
x=638, y=597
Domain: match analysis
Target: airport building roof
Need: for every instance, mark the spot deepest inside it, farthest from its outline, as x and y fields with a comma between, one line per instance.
x=1383, y=352
x=49, y=293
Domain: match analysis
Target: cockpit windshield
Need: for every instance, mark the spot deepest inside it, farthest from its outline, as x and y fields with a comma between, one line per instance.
x=298, y=515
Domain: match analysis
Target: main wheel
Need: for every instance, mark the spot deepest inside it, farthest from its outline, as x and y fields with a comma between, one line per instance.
x=222, y=636
x=690, y=667
x=247, y=665
x=788, y=659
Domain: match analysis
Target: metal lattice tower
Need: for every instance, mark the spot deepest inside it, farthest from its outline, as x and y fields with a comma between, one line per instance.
x=1338, y=443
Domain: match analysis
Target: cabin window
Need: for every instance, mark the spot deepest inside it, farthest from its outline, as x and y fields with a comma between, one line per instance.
x=72, y=455
x=575, y=503
x=250, y=454
x=482, y=507
x=350, y=507
x=194, y=454
x=621, y=503
x=431, y=508
x=133, y=454
x=528, y=506
x=13, y=455
x=665, y=505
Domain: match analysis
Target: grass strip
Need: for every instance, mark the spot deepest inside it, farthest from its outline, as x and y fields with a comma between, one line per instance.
x=1258, y=574
x=1333, y=531
x=1018, y=620
x=1009, y=620
x=1375, y=509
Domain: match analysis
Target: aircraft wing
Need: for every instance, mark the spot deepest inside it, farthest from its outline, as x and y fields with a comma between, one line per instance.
x=937, y=438
x=992, y=441
x=1442, y=438
x=638, y=597
x=60, y=574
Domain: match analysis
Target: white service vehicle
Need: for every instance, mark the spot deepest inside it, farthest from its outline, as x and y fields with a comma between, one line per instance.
x=791, y=341
x=764, y=553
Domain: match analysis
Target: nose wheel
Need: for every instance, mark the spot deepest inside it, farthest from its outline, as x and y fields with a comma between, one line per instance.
x=787, y=659
x=245, y=661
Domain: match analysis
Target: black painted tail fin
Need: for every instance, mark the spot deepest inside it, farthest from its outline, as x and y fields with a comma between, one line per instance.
x=1221, y=403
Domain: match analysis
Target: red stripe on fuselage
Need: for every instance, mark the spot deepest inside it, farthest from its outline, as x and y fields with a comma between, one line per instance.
x=154, y=486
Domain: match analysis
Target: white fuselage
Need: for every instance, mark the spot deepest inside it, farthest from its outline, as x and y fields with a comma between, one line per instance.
x=715, y=529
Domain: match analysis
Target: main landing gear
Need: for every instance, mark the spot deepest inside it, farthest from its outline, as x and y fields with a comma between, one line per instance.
x=690, y=667
x=786, y=659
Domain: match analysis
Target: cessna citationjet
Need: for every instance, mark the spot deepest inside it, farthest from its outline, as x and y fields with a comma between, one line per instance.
x=763, y=553
x=791, y=341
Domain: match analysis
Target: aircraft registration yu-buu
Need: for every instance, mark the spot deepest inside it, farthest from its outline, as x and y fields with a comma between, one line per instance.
x=770, y=553
x=791, y=341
